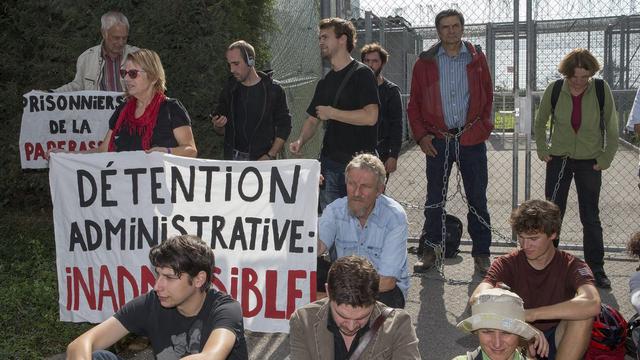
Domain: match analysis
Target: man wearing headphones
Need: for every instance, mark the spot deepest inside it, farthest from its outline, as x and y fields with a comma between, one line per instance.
x=252, y=111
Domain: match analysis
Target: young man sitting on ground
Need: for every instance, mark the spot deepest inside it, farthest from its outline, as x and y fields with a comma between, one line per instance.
x=181, y=315
x=558, y=289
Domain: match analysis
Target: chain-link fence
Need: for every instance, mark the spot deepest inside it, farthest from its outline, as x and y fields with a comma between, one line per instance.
x=610, y=29
x=296, y=60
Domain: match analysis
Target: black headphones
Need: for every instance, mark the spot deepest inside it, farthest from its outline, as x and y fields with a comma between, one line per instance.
x=250, y=61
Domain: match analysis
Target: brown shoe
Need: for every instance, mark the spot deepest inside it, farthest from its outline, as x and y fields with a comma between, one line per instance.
x=427, y=262
x=482, y=264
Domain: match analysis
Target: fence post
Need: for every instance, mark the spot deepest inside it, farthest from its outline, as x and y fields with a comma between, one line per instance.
x=608, y=56
x=516, y=105
x=624, y=52
x=381, y=29
x=368, y=27
x=531, y=68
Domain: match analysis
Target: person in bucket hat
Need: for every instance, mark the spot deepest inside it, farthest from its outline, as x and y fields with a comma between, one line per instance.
x=498, y=318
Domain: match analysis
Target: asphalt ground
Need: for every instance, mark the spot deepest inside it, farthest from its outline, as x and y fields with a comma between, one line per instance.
x=437, y=304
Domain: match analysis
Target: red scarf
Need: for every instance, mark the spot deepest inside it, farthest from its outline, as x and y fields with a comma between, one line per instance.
x=142, y=126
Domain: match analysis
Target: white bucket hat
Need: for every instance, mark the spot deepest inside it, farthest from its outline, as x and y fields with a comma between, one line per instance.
x=498, y=309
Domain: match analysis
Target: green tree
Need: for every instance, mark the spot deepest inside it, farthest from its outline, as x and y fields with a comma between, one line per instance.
x=42, y=40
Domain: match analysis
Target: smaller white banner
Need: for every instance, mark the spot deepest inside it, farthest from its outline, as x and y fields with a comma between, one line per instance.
x=73, y=121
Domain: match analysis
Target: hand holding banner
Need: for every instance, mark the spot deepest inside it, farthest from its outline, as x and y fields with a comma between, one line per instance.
x=73, y=121
x=111, y=208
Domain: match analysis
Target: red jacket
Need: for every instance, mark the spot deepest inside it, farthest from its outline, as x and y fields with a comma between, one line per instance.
x=425, y=104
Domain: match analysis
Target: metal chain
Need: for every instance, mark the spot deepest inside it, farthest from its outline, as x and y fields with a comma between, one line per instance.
x=472, y=209
x=560, y=176
x=440, y=249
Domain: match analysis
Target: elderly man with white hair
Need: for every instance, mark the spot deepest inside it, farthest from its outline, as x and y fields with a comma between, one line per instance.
x=98, y=68
x=498, y=318
x=369, y=224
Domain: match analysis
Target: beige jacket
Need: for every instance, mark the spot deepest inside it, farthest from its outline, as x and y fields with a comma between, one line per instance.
x=311, y=340
x=89, y=70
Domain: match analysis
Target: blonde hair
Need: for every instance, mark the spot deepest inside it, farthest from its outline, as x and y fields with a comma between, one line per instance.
x=368, y=162
x=150, y=63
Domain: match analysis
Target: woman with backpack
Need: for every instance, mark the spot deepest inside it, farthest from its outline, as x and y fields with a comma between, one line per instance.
x=583, y=139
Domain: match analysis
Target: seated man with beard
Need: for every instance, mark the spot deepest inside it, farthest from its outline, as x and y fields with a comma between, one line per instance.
x=369, y=224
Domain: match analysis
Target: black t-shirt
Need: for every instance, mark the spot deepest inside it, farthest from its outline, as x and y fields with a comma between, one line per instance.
x=172, y=335
x=171, y=115
x=249, y=106
x=342, y=141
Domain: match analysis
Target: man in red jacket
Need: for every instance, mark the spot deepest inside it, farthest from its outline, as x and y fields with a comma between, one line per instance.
x=450, y=107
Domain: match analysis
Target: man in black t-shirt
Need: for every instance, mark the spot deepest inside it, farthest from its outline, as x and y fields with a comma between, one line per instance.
x=252, y=111
x=347, y=99
x=181, y=316
x=390, y=113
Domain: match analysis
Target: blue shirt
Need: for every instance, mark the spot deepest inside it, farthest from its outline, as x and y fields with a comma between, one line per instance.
x=383, y=239
x=454, y=86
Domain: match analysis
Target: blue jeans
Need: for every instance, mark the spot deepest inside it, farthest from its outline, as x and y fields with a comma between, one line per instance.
x=104, y=355
x=473, y=168
x=334, y=186
x=588, y=183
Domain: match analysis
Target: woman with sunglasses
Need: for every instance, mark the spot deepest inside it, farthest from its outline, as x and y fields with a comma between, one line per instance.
x=148, y=120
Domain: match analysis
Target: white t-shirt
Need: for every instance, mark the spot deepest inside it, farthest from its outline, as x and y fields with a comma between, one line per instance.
x=634, y=290
x=634, y=117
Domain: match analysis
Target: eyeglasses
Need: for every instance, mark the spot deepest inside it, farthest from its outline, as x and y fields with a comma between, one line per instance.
x=133, y=73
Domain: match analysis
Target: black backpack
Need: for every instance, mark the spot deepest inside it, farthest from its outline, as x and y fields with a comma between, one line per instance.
x=454, y=234
x=555, y=93
x=633, y=337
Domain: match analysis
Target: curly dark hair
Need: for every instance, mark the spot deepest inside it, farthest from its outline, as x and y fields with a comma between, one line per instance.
x=633, y=246
x=536, y=215
x=374, y=47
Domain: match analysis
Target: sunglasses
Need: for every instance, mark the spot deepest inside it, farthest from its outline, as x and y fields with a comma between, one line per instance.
x=133, y=73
